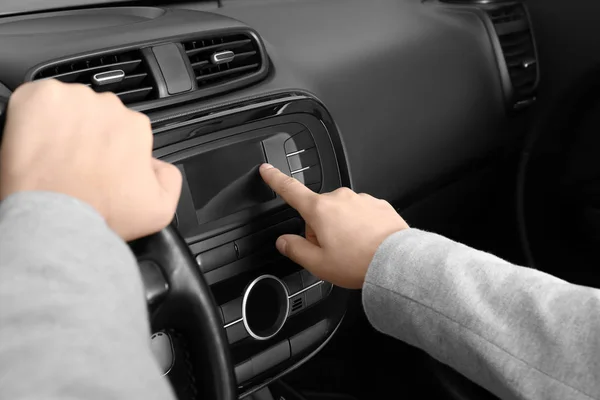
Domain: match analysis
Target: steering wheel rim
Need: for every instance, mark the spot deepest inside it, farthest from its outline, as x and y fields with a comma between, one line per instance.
x=189, y=309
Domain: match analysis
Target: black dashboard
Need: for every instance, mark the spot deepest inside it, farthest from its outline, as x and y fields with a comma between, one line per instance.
x=387, y=97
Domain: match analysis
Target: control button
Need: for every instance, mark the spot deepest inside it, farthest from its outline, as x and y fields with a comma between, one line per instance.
x=326, y=288
x=308, y=278
x=297, y=304
x=309, y=176
x=162, y=348
x=293, y=283
x=313, y=295
x=270, y=357
x=265, y=239
x=263, y=361
x=307, y=158
x=275, y=156
x=232, y=311
x=243, y=371
x=155, y=285
x=217, y=257
x=300, y=141
x=236, y=332
x=308, y=338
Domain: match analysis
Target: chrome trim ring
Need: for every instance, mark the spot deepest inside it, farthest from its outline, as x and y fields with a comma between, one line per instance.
x=245, y=301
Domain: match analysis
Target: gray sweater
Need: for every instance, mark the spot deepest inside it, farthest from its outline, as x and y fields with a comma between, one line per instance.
x=73, y=321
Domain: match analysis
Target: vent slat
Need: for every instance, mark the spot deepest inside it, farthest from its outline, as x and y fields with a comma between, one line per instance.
x=514, y=34
x=69, y=77
x=137, y=84
x=245, y=62
x=134, y=94
x=229, y=46
x=226, y=72
x=200, y=64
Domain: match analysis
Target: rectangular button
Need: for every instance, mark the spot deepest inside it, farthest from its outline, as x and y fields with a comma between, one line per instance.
x=308, y=278
x=236, y=332
x=271, y=357
x=308, y=338
x=307, y=158
x=299, y=141
x=309, y=176
x=232, y=311
x=313, y=295
x=293, y=283
x=217, y=257
x=326, y=288
x=243, y=371
x=265, y=239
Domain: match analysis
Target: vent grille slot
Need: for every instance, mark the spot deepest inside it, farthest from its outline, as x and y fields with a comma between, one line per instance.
x=134, y=84
x=203, y=53
x=514, y=33
x=297, y=304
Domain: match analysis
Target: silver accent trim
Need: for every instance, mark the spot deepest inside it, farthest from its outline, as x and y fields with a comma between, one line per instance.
x=172, y=350
x=245, y=301
x=295, y=152
x=306, y=289
x=237, y=321
x=300, y=170
x=108, y=77
x=222, y=57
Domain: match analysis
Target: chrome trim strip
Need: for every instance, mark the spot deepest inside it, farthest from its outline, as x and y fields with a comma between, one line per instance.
x=245, y=301
x=306, y=288
x=300, y=170
x=237, y=321
x=295, y=152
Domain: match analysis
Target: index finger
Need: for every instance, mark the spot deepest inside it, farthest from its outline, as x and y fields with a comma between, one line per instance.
x=291, y=190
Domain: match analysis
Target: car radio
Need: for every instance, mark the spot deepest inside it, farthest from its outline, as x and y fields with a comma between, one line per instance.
x=275, y=314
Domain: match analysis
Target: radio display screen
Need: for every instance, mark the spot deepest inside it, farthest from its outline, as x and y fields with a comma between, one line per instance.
x=226, y=180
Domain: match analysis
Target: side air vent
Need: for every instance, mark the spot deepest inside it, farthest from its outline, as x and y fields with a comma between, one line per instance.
x=125, y=74
x=219, y=60
x=512, y=26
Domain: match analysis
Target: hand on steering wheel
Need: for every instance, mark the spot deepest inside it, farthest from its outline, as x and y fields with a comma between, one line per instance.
x=93, y=148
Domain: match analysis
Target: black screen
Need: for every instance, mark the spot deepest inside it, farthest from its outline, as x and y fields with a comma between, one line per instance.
x=226, y=180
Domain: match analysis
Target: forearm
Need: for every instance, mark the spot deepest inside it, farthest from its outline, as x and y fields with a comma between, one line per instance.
x=73, y=320
x=518, y=332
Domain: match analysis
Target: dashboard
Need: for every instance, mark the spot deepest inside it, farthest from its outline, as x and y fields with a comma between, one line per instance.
x=387, y=97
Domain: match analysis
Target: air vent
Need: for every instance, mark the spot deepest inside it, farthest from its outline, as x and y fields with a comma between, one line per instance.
x=297, y=305
x=518, y=47
x=223, y=59
x=125, y=74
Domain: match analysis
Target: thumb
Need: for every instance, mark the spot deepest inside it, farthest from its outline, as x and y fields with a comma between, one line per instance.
x=169, y=179
x=300, y=251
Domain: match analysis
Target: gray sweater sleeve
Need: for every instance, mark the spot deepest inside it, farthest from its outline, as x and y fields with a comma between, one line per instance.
x=73, y=319
x=518, y=332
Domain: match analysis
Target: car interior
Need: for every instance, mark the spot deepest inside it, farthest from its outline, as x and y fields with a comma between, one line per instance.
x=475, y=119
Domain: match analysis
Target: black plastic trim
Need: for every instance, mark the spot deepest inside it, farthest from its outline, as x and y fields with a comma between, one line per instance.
x=184, y=97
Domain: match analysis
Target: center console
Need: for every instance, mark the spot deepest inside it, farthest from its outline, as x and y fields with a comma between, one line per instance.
x=276, y=315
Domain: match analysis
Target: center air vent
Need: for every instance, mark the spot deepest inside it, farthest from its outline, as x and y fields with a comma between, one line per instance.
x=512, y=26
x=223, y=59
x=125, y=74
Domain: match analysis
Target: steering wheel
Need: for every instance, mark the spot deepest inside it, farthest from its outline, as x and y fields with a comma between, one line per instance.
x=181, y=305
